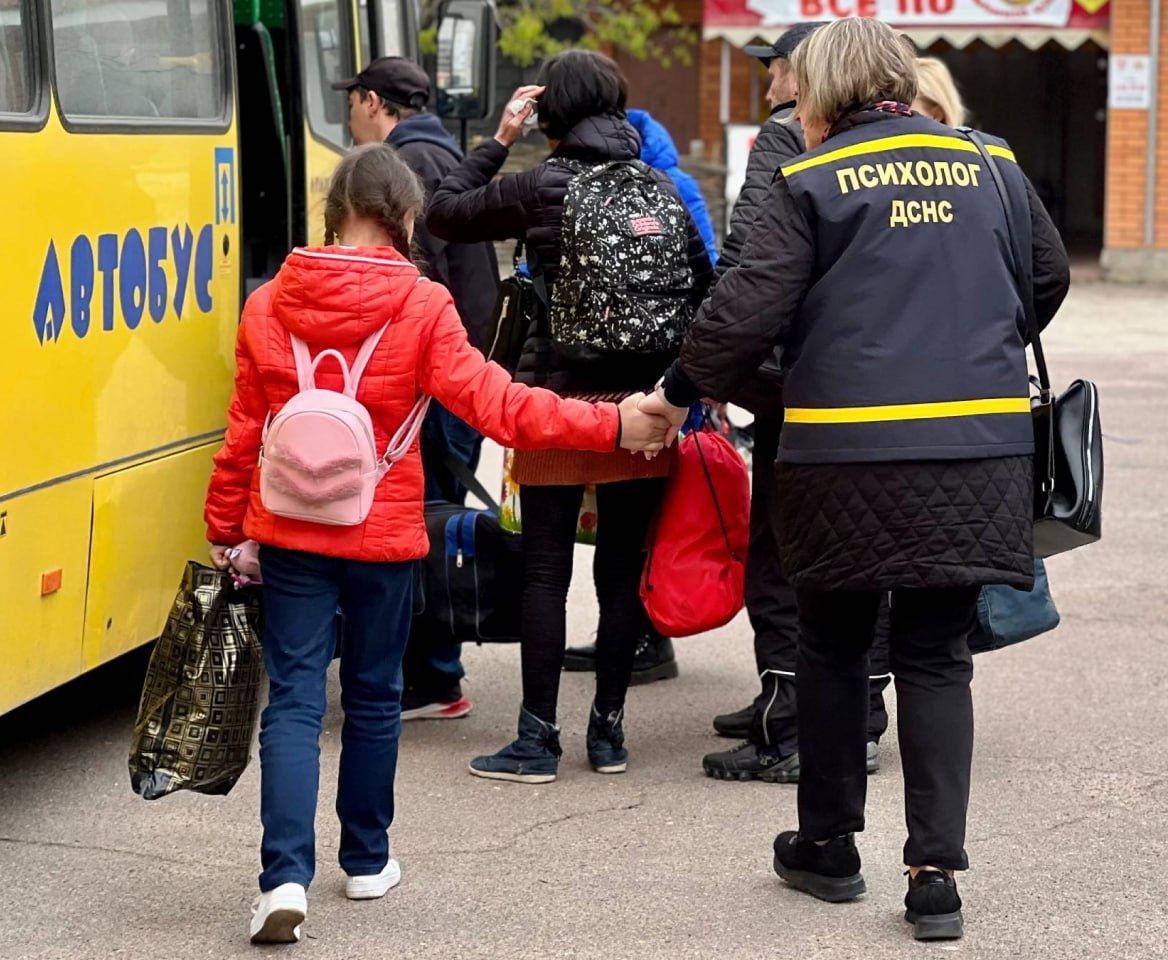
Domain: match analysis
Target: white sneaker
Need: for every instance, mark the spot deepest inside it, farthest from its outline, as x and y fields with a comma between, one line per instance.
x=277, y=914
x=375, y=886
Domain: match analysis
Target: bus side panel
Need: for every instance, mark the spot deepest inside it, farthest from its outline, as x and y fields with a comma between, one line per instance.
x=121, y=308
x=40, y=645
x=147, y=522
x=319, y=163
x=122, y=297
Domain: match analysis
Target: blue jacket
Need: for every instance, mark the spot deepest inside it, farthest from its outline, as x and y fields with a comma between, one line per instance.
x=659, y=151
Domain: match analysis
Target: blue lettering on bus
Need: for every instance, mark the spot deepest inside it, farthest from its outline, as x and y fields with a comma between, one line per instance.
x=133, y=277
x=81, y=278
x=48, y=313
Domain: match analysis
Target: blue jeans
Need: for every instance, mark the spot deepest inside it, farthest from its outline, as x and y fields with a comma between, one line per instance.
x=301, y=594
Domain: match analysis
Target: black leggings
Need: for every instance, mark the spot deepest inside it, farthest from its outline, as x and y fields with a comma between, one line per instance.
x=624, y=513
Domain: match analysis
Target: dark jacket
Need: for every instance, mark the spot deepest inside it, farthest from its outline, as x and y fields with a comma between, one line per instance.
x=777, y=143
x=471, y=204
x=660, y=152
x=468, y=270
x=902, y=524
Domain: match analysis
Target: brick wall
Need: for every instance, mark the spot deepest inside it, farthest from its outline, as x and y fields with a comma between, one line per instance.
x=742, y=110
x=1126, y=255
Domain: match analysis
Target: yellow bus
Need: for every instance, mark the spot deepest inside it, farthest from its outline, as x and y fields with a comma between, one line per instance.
x=158, y=159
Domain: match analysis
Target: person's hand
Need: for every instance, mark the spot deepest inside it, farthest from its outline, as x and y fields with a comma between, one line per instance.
x=219, y=556
x=245, y=561
x=656, y=405
x=511, y=124
x=640, y=431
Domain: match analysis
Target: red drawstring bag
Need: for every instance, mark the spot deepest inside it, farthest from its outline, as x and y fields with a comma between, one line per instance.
x=695, y=572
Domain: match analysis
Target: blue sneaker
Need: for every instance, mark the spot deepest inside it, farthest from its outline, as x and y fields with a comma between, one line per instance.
x=606, y=742
x=534, y=757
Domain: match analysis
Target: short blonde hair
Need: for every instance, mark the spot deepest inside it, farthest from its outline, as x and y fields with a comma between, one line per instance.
x=850, y=63
x=938, y=91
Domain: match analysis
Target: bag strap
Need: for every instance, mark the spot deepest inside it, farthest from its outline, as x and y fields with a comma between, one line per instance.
x=1022, y=277
x=407, y=433
x=364, y=355
x=306, y=364
x=462, y=472
x=714, y=495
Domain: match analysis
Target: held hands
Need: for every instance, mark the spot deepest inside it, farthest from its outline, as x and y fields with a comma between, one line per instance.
x=657, y=406
x=640, y=431
x=511, y=125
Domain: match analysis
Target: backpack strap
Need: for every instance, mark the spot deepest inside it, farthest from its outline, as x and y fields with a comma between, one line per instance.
x=405, y=436
x=364, y=355
x=303, y=357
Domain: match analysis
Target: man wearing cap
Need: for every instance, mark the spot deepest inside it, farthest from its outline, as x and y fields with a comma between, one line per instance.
x=387, y=104
x=769, y=725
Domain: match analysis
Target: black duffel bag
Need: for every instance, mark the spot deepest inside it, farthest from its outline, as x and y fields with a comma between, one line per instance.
x=470, y=586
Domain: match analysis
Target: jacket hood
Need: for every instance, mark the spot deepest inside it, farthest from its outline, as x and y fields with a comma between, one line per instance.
x=423, y=128
x=657, y=146
x=340, y=295
x=600, y=139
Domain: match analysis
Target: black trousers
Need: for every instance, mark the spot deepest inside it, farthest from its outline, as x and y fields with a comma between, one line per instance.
x=774, y=616
x=928, y=642
x=624, y=513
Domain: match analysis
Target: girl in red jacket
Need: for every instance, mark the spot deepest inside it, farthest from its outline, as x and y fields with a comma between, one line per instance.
x=336, y=297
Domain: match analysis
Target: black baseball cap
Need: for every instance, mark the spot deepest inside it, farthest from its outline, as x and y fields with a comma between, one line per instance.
x=395, y=79
x=782, y=48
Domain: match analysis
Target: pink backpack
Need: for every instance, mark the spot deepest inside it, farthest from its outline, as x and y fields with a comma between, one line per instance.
x=319, y=461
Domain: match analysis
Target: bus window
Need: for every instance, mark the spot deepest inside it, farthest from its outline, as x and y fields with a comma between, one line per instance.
x=324, y=57
x=142, y=59
x=364, y=34
x=397, y=32
x=16, y=74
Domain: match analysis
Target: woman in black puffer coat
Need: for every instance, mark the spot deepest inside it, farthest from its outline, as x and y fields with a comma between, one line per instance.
x=881, y=264
x=581, y=110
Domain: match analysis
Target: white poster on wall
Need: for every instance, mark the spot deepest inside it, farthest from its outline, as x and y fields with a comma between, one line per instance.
x=1129, y=82
x=740, y=139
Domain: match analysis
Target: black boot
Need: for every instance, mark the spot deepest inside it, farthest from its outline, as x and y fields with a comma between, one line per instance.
x=933, y=907
x=830, y=872
x=606, y=742
x=654, y=660
x=735, y=725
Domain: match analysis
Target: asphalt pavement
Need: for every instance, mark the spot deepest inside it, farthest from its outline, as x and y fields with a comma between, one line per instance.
x=1068, y=833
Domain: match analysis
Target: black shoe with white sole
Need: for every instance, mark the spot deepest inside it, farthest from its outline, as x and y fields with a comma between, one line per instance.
x=830, y=872
x=933, y=906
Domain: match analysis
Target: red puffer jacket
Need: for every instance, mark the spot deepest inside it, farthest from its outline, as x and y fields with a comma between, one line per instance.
x=336, y=297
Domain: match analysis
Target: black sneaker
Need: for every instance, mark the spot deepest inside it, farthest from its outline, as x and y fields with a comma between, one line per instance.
x=830, y=872
x=933, y=907
x=750, y=762
x=736, y=726
x=654, y=660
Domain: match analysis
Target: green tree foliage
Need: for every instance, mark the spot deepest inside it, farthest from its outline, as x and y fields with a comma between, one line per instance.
x=533, y=30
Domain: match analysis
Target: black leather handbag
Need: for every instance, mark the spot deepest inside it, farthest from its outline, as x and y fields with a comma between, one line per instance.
x=1068, y=442
x=516, y=308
